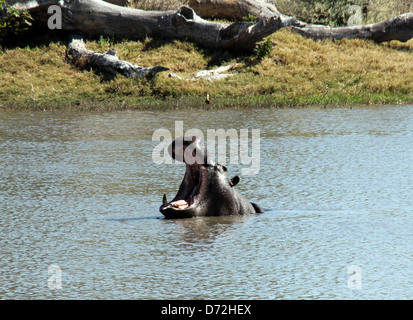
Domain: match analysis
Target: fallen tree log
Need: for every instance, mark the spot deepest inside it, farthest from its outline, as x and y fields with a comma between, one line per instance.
x=107, y=62
x=96, y=18
x=398, y=28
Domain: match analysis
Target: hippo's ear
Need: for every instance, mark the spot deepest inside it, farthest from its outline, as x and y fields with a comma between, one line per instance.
x=234, y=181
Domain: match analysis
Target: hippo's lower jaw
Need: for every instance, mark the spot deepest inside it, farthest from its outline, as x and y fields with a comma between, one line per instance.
x=178, y=209
x=173, y=213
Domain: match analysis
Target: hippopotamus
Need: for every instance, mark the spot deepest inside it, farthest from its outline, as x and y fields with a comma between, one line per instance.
x=205, y=189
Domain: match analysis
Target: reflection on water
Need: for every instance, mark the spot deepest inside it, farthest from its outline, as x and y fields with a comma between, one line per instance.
x=81, y=191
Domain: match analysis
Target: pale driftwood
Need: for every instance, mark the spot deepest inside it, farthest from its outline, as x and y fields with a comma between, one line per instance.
x=233, y=9
x=108, y=62
x=210, y=75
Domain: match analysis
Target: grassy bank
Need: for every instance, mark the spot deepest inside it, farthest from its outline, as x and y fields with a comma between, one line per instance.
x=298, y=72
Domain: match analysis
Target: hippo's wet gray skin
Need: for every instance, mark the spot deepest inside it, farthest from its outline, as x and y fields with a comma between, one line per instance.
x=205, y=189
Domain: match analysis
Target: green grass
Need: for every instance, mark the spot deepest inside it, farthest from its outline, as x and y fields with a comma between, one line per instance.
x=37, y=75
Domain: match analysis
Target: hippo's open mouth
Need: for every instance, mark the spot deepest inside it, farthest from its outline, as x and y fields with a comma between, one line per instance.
x=186, y=200
x=205, y=189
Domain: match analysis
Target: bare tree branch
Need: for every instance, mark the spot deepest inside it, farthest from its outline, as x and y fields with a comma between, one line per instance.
x=108, y=62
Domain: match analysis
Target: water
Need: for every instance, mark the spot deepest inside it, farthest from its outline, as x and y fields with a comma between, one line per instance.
x=81, y=191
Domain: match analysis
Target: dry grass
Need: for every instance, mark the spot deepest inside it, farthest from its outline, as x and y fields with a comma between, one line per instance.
x=297, y=72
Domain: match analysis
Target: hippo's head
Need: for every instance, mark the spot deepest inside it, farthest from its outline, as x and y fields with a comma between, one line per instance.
x=203, y=184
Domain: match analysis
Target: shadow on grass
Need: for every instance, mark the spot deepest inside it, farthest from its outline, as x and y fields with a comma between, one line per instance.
x=34, y=37
x=213, y=56
x=398, y=46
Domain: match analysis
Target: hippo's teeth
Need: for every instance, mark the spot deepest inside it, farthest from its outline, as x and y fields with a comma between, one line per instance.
x=180, y=204
x=164, y=201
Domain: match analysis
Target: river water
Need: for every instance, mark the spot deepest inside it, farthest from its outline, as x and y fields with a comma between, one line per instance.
x=80, y=193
